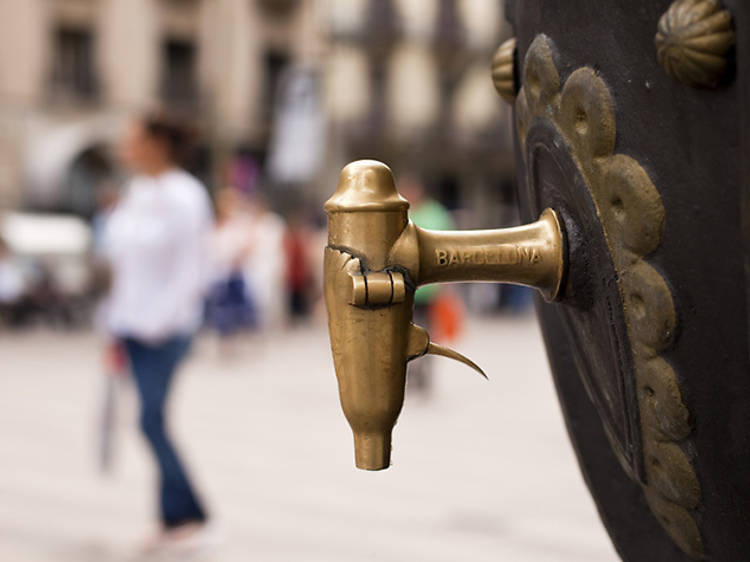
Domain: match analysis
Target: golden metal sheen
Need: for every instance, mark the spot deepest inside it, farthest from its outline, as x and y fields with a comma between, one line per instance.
x=374, y=262
x=503, y=70
x=693, y=41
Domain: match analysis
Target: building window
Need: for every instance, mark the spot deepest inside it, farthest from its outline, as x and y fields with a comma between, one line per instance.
x=275, y=63
x=178, y=84
x=278, y=8
x=73, y=70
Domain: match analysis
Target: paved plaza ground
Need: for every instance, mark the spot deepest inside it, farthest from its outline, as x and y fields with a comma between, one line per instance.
x=482, y=471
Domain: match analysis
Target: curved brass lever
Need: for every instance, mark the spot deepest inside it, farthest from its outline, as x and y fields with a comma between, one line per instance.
x=374, y=262
x=435, y=349
x=420, y=344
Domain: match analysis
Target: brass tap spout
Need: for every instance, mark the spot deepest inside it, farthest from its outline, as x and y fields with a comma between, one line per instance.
x=374, y=262
x=524, y=255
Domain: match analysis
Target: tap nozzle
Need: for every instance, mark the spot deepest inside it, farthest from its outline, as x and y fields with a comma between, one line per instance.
x=375, y=260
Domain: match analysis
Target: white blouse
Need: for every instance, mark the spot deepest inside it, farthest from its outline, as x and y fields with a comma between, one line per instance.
x=156, y=241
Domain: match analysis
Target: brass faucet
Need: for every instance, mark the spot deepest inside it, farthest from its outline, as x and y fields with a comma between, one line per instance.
x=375, y=260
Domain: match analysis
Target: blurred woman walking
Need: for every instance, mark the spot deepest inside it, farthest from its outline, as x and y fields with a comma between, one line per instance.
x=155, y=241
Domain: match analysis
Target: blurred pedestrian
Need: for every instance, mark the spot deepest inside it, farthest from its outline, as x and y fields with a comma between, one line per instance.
x=106, y=200
x=265, y=268
x=229, y=307
x=298, y=273
x=156, y=241
x=425, y=212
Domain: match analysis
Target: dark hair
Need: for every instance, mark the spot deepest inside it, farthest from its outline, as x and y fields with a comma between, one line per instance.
x=173, y=130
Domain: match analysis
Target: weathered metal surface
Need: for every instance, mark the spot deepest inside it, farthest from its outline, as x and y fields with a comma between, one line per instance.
x=639, y=398
x=693, y=41
x=504, y=70
x=671, y=393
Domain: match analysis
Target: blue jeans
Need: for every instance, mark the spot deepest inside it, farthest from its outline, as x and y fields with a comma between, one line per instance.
x=153, y=368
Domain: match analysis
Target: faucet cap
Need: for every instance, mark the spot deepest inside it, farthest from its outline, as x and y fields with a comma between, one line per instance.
x=366, y=185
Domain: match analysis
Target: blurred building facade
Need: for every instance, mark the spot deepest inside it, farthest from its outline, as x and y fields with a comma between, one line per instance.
x=405, y=81
x=408, y=82
x=72, y=70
